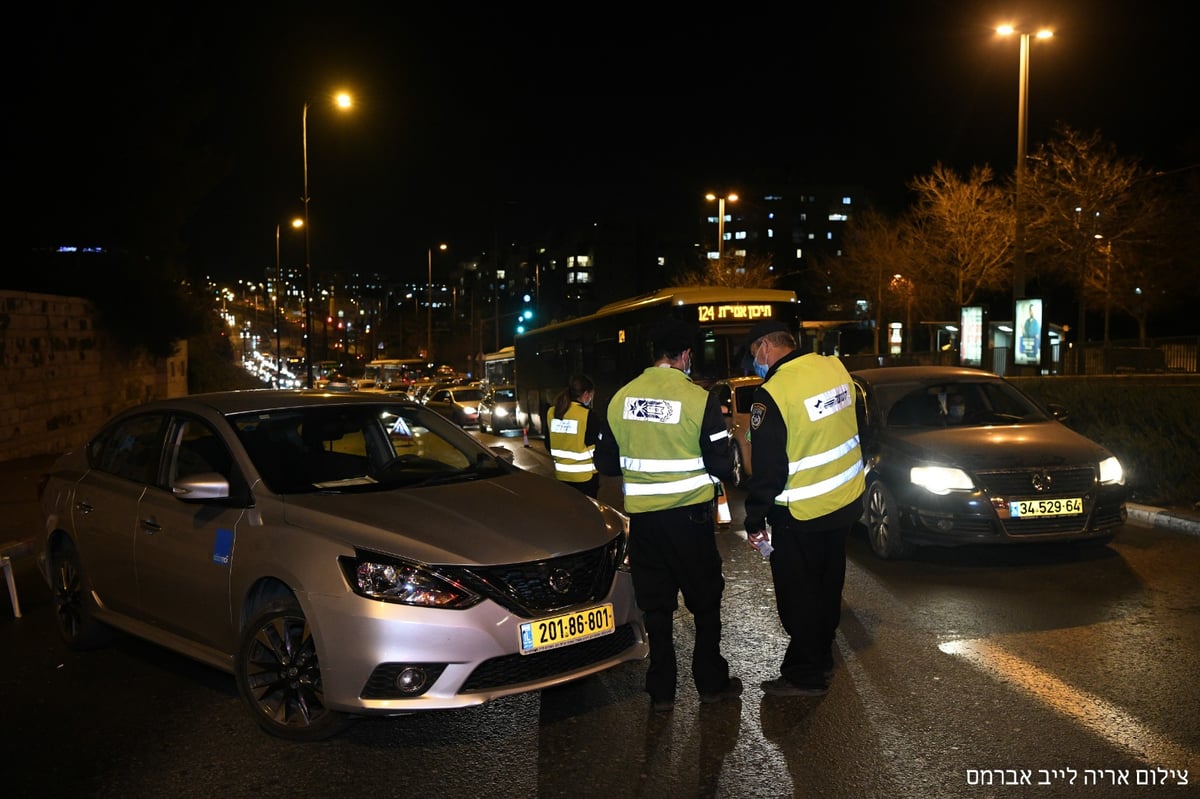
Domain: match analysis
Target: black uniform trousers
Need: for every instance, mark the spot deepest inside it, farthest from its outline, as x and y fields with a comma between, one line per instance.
x=671, y=552
x=808, y=568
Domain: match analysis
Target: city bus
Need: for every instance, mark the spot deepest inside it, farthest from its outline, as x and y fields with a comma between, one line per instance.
x=612, y=346
x=498, y=367
x=392, y=374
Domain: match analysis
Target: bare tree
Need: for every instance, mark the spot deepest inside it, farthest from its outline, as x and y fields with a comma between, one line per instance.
x=731, y=270
x=962, y=236
x=1095, y=225
x=877, y=267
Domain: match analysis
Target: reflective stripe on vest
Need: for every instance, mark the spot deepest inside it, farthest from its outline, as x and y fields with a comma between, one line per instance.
x=572, y=458
x=815, y=396
x=656, y=420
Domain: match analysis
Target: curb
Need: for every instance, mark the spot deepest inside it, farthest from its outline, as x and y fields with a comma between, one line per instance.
x=1162, y=518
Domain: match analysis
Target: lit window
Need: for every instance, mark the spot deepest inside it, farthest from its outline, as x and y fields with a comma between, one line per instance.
x=583, y=277
x=845, y=201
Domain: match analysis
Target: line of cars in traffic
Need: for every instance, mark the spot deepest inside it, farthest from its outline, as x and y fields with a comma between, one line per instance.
x=467, y=403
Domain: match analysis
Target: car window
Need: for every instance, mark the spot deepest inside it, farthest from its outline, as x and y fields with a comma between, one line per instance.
x=468, y=395
x=199, y=450
x=131, y=448
x=358, y=447
x=962, y=403
x=744, y=398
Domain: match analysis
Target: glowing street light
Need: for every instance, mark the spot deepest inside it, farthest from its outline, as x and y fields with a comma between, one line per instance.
x=297, y=223
x=1022, y=132
x=721, y=219
x=343, y=101
x=429, y=310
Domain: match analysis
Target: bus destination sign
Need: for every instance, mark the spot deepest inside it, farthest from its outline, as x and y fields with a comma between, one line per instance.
x=734, y=312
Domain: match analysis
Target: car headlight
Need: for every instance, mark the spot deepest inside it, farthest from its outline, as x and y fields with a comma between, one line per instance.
x=469, y=409
x=940, y=480
x=386, y=580
x=1111, y=472
x=500, y=411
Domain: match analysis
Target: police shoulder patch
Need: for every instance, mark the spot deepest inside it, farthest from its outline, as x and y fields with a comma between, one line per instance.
x=757, y=411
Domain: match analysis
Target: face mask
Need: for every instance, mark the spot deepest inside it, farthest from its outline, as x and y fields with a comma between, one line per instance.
x=760, y=369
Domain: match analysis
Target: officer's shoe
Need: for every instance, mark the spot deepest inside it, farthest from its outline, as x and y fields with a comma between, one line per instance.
x=732, y=690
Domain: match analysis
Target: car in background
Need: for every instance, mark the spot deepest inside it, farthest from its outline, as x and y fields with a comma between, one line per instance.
x=341, y=555
x=960, y=456
x=499, y=410
x=736, y=395
x=459, y=404
x=419, y=390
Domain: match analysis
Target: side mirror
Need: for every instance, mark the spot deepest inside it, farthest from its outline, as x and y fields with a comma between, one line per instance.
x=1058, y=411
x=202, y=486
x=503, y=453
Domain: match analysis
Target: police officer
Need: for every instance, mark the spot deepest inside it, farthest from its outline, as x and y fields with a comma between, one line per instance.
x=666, y=437
x=571, y=439
x=807, y=484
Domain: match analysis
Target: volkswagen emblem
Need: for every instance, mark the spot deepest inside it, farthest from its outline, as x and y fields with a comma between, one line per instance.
x=1041, y=481
x=560, y=581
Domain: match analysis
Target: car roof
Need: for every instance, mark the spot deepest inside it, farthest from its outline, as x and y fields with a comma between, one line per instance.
x=884, y=375
x=262, y=399
x=738, y=381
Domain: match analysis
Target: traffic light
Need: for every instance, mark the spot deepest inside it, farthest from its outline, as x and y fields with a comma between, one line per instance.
x=525, y=316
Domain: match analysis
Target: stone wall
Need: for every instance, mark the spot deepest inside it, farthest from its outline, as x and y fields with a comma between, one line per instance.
x=61, y=376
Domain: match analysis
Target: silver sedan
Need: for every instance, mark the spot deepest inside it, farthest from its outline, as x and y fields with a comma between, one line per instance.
x=340, y=555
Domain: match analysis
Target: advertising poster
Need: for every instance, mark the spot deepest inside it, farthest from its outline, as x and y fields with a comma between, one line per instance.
x=1027, y=332
x=971, y=328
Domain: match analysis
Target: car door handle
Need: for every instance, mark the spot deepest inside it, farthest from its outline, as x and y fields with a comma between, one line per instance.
x=151, y=526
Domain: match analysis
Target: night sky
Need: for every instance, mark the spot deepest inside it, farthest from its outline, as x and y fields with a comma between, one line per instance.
x=190, y=122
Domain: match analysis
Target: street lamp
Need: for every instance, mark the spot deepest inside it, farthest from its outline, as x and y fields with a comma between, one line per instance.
x=429, y=309
x=1022, y=130
x=720, y=219
x=343, y=101
x=297, y=224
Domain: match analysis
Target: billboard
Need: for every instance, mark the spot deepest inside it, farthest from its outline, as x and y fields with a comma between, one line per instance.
x=971, y=330
x=1027, y=332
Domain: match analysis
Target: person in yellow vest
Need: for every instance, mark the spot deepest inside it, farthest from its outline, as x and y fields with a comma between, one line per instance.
x=666, y=438
x=571, y=437
x=807, y=485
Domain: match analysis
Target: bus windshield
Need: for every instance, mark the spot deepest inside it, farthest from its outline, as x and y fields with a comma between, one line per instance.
x=612, y=346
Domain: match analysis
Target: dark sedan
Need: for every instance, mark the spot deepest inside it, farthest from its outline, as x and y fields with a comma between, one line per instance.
x=960, y=456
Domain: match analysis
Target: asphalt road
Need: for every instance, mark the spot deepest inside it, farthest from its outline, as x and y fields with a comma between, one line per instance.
x=1047, y=672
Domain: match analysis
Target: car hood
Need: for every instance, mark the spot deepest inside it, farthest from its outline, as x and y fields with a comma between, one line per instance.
x=513, y=518
x=998, y=446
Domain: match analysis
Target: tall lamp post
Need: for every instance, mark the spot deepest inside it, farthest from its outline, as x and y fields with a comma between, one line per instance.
x=1022, y=132
x=343, y=101
x=720, y=219
x=429, y=304
x=296, y=223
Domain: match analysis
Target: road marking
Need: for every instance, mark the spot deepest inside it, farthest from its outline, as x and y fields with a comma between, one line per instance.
x=1106, y=720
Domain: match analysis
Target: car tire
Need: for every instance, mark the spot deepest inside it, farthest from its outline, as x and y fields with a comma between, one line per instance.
x=73, y=604
x=883, y=526
x=279, y=675
x=738, y=476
